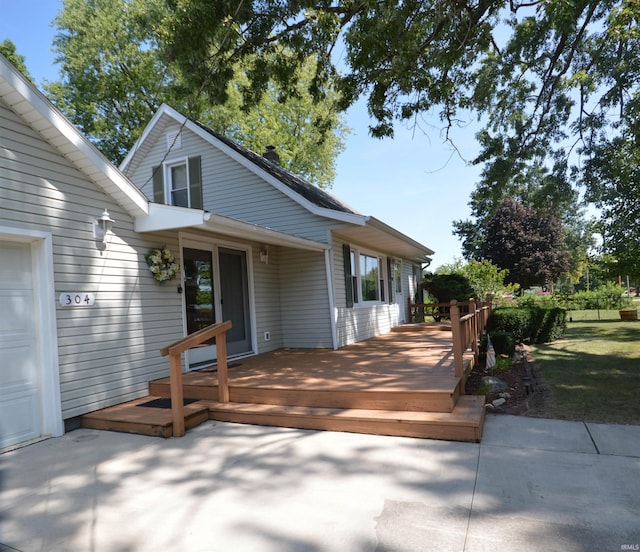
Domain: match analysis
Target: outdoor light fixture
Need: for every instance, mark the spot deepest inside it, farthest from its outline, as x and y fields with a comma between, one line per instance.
x=102, y=227
x=264, y=254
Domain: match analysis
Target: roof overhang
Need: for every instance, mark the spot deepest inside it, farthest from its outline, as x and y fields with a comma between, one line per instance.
x=381, y=237
x=34, y=108
x=168, y=217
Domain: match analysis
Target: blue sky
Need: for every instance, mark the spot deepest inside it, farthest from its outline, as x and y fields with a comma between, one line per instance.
x=415, y=182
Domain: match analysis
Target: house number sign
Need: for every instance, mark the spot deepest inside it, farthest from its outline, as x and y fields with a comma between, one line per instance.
x=77, y=299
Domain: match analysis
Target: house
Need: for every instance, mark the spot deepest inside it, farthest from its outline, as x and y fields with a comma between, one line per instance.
x=82, y=318
x=309, y=270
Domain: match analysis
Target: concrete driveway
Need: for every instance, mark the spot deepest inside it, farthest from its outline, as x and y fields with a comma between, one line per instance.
x=531, y=485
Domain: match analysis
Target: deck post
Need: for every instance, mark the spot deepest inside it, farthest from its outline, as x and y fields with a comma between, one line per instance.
x=177, y=402
x=223, y=374
x=456, y=331
x=473, y=309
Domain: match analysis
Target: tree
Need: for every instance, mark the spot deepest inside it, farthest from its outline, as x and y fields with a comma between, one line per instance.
x=483, y=276
x=115, y=75
x=550, y=78
x=546, y=191
x=8, y=49
x=445, y=287
x=527, y=243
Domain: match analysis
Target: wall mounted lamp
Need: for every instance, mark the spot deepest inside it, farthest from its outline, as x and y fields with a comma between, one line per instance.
x=102, y=226
x=264, y=254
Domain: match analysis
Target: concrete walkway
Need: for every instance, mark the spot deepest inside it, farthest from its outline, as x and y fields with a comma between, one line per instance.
x=532, y=485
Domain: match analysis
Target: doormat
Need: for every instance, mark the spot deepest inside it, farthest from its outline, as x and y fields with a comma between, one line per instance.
x=164, y=403
x=214, y=368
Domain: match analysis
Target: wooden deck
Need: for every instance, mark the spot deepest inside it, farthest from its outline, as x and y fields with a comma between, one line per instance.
x=401, y=383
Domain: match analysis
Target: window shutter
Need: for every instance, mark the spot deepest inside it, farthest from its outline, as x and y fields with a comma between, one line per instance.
x=348, y=280
x=195, y=183
x=158, y=184
x=390, y=282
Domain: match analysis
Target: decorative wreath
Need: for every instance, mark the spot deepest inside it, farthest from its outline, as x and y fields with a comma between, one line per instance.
x=162, y=264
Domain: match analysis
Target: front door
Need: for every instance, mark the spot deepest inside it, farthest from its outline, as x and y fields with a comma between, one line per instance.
x=216, y=290
x=20, y=404
x=397, y=285
x=199, y=299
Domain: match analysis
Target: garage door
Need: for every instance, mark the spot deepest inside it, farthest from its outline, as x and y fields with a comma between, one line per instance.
x=20, y=402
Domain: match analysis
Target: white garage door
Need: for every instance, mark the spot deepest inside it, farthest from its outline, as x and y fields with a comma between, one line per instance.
x=20, y=402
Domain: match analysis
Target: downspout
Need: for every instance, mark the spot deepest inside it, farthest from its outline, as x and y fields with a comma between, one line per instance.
x=332, y=306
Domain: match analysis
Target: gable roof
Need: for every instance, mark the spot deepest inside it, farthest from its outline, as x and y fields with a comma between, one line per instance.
x=315, y=195
x=313, y=199
x=359, y=227
x=38, y=112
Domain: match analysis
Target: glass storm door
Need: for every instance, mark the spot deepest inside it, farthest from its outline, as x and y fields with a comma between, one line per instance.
x=199, y=300
x=234, y=299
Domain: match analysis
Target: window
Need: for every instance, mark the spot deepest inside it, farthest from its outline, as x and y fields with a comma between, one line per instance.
x=354, y=277
x=369, y=271
x=397, y=276
x=368, y=277
x=178, y=185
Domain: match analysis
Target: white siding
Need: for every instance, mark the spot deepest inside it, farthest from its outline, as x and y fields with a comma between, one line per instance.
x=362, y=321
x=304, y=298
x=109, y=351
x=232, y=190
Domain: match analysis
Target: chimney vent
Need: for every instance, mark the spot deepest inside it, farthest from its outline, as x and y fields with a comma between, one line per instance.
x=272, y=155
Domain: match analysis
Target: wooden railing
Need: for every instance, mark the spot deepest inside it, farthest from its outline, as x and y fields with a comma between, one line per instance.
x=466, y=331
x=420, y=312
x=174, y=351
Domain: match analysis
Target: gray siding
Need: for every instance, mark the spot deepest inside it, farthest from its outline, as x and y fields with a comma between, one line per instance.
x=267, y=300
x=107, y=352
x=304, y=298
x=232, y=190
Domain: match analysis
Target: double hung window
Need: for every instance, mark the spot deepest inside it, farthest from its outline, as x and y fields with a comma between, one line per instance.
x=367, y=277
x=178, y=184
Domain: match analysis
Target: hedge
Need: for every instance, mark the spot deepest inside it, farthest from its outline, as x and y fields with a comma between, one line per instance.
x=503, y=343
x=529, y=324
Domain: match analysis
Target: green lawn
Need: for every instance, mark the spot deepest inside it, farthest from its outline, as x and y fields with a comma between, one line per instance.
x=593, y=373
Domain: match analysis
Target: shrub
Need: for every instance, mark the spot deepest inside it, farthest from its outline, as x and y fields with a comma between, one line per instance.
x=532, y=324
x=448, y=286
x=504, y=343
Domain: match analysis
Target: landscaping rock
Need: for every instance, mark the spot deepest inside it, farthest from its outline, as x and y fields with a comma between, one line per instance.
x=492, y=384
x=498, y=402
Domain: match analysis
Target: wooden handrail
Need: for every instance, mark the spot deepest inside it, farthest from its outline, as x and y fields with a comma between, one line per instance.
x=174, y=351
x=466, y=331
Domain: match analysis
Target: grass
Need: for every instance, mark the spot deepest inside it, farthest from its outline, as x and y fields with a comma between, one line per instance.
x=593, y=373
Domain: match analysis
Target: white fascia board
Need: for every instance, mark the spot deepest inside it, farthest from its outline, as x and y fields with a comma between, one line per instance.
x=164, y=108
x=240, y=229
x=378, y=224
x=168, y=217
x=107, y=177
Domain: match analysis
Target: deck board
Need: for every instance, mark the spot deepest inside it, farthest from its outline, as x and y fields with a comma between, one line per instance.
x=401, y=383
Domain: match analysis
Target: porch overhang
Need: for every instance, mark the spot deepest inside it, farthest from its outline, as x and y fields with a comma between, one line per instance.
x=382, y=237
x=168, y=217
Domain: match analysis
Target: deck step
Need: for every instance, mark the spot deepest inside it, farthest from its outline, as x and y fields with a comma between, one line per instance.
x=464, y=423
x=442, y=395
x=131, y=417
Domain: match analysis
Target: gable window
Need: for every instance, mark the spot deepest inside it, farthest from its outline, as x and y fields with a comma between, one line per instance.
x=178, y=183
